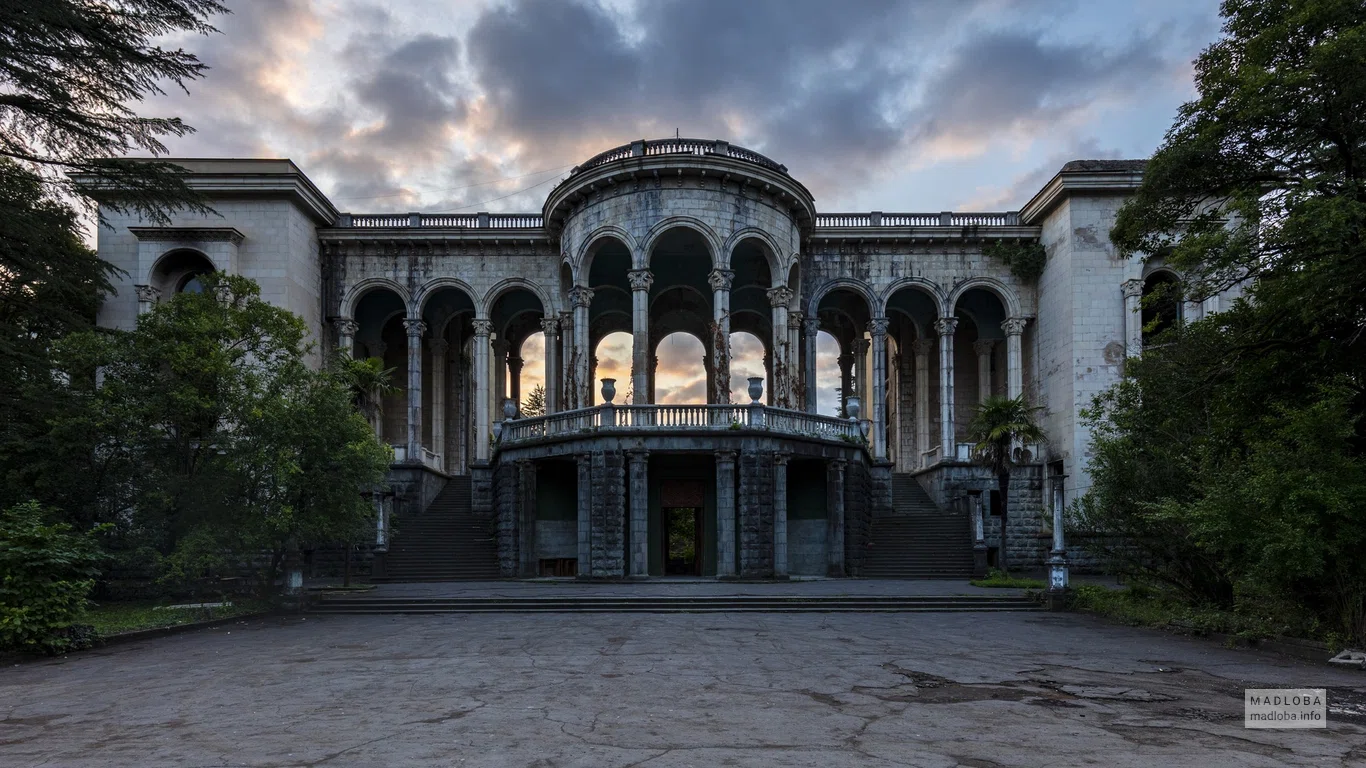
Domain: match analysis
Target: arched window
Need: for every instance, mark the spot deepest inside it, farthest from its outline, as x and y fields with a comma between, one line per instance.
x=1161, y=304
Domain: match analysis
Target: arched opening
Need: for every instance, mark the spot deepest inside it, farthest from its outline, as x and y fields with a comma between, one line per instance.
x=751, y=314
x=448, y=377
x=913, y=377
x=612, y=360
x=829, y=398
x=379, y=317
x=680, y=378
x=516, y=314
x=844, y=314
x=609, y=313
x=1161, y=307
x=748, y=358
x=179, y=271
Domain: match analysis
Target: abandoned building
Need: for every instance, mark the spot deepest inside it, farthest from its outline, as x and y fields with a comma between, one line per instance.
x=708, y=239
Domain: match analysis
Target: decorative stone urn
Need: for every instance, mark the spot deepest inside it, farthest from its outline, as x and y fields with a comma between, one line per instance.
x=756, y=388
x=609, y=390
x=509, y=409
x=851, y=407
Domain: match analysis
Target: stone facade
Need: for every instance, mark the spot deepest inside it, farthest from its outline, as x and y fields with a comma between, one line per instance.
x=692, y=236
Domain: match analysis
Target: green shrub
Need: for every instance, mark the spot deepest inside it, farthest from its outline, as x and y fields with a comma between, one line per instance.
x=46, y=574
x=996, y=578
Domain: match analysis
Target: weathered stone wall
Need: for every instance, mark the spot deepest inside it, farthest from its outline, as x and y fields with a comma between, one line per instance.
x=806, y=554
x=506, y=490
x=756, y=515
x=1029, y=531
x=609, y=514
x=858, y=515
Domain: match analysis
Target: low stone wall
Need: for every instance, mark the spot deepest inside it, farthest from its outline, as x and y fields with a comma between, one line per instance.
x=806, y=555
x=1029, y=537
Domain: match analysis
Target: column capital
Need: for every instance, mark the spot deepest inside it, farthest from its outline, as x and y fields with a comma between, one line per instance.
x=795, y=318
x=147, y=292
x=579, y=296
x=922, y=346
x=720, y=279
x=837, y=464
x=1132, y=288
x=438, y=346
x=811, y=325
x=637, y=454
x=725, y=456
x=780, y=296
x=414, y=326
x=860, y=347
x=515, y=363
x=640, y=279
x=983, y=346
x=550, y=326
x=845, y=359
x=500, y=347
x=344, y=325
x=1014, y=326
x=482, y=328
x=781, y=459
x=878, y=326
x=584, y=460
x=945, y=326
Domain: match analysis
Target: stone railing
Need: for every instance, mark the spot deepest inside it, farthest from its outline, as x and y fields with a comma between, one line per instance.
x=481, y=220
x=700, y=147
x=944, y=219
x=680, y=418
x=430, y=459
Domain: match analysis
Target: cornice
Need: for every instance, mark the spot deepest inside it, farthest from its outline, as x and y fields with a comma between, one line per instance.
x=1067, y=183
x=188, y=234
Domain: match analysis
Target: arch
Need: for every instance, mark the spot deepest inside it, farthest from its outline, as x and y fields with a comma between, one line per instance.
x=771, y=251
x=432, y=286
x=509, y=284
x=936, y=294
x=177, y=266
x=584, y=258
x=356, y=292
x=687, y=222
x=829, y=286
x=1002, y=291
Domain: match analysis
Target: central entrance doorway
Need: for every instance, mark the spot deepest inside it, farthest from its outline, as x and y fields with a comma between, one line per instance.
x=682, y=541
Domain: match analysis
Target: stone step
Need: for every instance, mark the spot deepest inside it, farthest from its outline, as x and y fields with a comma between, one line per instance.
x=676, y=604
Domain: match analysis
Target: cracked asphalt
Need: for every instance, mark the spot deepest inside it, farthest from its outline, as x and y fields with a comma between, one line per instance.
x=966, y=689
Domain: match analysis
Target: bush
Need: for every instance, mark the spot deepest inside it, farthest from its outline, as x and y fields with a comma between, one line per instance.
x=46, y=574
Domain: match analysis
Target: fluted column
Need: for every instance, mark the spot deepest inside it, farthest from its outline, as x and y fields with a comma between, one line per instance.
x=846, y=364
x=639, y=478
x=796, y=368
x=482, y=330
x=500, y=375
x=1014, y=329
x=780, y=514
x=346, y=335
x=438, y=348
x=415, y=329
x=861, y=377
x=720, y=281
x=550, y=329
x=945, y=326
x=725, y=513
x=581, y=298
x=565, y=399
x=781, y=388
x=922, y=348
x=1133, y=317
x=811, y=327
x=640, y=280
x=877, y=331
x=983, y=349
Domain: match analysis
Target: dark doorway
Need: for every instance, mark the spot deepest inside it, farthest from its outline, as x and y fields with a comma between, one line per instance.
x=682, y=541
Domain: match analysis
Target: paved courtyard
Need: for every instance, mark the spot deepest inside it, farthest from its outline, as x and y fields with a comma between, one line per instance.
x=972, y=689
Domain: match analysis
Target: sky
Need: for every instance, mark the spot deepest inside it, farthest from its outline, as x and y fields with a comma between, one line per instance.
x=891, y=105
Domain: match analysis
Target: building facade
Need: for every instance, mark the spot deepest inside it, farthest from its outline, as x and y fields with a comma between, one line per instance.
x=707, y=238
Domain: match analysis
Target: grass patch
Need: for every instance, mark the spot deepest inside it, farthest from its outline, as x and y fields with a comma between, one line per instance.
x=1001, y=580
x=117, y=618
x=1142, y=607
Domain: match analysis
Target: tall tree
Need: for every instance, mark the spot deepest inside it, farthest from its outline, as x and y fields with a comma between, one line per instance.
x=71, y=72
x=997, y=427
x=535, y=402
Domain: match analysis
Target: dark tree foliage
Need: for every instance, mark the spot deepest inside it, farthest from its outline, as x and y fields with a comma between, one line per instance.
x=1230, y=461
x=71, y=73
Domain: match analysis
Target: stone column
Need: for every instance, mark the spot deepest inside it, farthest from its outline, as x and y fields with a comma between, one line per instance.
x=720, y=281
x=457, y=456
x=834, y=531
x=147, y=298
x=640, y=280
x=1133, y=317
x=565, y=395
x=515, y=381
x=1014, y=328
x=811, y=327
x=846, y=363
x=581, y=298
x=796, y=366
x=877, y=329
x=725, y=513
x=983, y=349
x=781, y=388
x=780, y=515
x=438, y=348
x=945, y=326
x=482, y=330
x=346, y=335
x=585, y=516
x=415, y=329
x=639, y=462
x=500, y=372
x=654, y=375
x=922, y=349
x=550, y=328
x=861, y=377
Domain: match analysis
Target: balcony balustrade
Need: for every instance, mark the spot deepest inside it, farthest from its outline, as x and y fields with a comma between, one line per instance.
x=680, y=418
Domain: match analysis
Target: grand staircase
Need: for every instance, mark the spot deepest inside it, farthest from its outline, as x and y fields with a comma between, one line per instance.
x=918, y=540
x=675, y=603
x=446, y=542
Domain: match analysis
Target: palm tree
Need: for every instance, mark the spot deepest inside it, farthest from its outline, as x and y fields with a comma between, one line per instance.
x=370, y=381
x=1000, y=424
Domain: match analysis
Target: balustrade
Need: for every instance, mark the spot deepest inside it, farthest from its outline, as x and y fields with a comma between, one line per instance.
x=687, y=418
x=947, y=219
x=443, y=221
